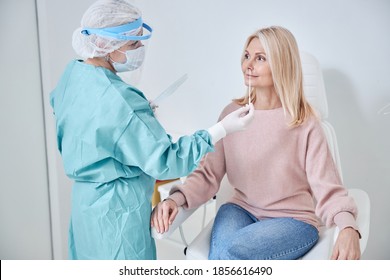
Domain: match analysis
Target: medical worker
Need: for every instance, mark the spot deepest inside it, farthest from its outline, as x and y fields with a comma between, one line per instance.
x=112, y=146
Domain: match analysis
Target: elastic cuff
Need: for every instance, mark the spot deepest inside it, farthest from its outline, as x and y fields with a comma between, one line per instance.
x=217, y=132
x=178, y=197
x=344, y=220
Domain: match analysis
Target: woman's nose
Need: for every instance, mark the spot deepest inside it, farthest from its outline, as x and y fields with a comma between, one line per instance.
x=249, y=68
x=249, y=65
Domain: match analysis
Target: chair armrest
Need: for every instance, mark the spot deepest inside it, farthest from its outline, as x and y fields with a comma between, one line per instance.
x=165, y=188
x=181, y=216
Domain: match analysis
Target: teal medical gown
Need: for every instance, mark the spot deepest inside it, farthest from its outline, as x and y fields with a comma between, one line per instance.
x=114, y=149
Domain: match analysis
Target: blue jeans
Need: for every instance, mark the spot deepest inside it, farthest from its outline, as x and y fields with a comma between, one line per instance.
x=238, y=235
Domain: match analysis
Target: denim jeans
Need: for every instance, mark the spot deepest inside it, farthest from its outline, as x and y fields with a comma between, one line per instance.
x=238, y=235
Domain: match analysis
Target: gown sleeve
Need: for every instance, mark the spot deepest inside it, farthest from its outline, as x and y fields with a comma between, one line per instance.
x=145, y=144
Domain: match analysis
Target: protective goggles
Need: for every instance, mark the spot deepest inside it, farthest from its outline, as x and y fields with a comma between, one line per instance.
x=118, y=31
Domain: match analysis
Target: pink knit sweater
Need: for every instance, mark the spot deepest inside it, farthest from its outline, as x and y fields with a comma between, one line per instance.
x=276, y=171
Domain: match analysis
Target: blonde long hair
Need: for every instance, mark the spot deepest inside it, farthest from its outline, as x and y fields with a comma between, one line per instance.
x=285, y=63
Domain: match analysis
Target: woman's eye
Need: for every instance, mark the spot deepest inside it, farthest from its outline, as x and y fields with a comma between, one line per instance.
x=261, y=58
x=246, y=56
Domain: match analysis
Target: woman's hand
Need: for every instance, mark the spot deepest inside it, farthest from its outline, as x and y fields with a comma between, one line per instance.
x=163, y=215
x=347, y=246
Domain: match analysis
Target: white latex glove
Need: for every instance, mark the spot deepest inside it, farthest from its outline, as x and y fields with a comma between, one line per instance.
x=153, y=106
x=239, y=119
x=235, y=121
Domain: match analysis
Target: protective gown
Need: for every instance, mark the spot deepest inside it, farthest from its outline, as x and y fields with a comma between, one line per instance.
x=114, y=149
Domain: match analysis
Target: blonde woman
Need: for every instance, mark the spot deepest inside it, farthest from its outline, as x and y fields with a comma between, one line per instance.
x=278, y=167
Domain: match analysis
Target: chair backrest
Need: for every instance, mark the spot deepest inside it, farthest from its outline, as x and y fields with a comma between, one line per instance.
x=314, y=89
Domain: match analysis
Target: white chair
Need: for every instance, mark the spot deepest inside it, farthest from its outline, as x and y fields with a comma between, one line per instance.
x=316, y=95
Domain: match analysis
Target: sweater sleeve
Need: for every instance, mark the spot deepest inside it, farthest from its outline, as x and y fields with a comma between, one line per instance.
x=334, y=206
x=202, y=184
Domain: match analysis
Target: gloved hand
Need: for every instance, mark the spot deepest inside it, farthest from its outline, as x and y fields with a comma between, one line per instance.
x=153, y=106
x=235, y=121
x=239, y=119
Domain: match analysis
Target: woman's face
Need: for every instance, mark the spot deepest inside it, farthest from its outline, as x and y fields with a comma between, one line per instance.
x=255, y=66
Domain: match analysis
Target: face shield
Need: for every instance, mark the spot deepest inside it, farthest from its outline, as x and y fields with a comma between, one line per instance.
x=122, y=32
x=132, y=40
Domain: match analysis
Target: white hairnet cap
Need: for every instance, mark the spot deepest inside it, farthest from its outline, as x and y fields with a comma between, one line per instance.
x=101, y=14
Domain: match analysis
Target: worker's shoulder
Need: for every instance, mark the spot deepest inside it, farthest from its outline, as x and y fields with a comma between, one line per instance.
x=132, y=96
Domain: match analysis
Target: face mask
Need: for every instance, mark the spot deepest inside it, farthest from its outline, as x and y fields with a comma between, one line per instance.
x=134, y=59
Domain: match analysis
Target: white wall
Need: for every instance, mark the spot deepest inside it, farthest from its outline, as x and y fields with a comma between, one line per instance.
x=24, y=198
x=204, y=39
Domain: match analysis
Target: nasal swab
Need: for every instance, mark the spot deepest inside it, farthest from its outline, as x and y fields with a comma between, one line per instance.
x=249, y=87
